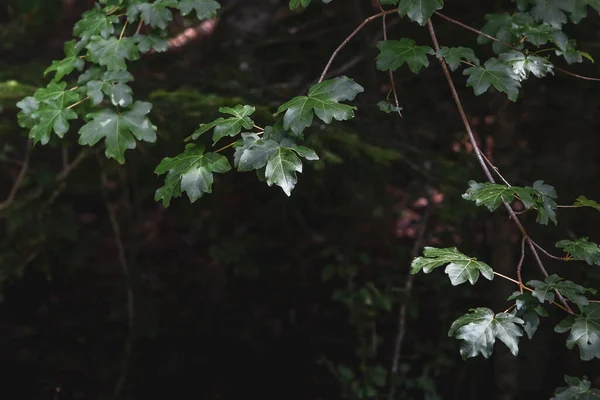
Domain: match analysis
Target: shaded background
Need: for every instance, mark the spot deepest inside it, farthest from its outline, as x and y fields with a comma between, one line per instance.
x=250, y=293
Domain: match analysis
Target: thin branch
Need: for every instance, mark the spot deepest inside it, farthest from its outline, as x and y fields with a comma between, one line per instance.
x=114, y=222
x=481, y=160
x=470, y=28
x=123, y=30
x=22, y=173
x=345, y=42
x=585, y=78
x=139, y=27
x=520, y=264
x=403, y=309
x=477, y=31
x=546, y=253
x=76, y=104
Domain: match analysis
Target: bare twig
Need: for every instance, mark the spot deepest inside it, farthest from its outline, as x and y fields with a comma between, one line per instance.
x=477, y=31
x=345, y=42
x=540, y=248
x=19, y=180
x=482, y=162
x=520, y=264
x=114, y=222
x=402, y=312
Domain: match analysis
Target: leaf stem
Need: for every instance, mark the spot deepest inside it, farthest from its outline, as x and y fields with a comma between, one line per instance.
x=123, y=30
x=76, y=104
x=139, y=27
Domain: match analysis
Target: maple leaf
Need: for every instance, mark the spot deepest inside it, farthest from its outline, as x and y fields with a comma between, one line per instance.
x=205, y=9
x=493, y=73
x=119, y=129
x=323, y=99
x=394, y=53
x=228, y=126
x=460, y=268
x=190, y=172
x=68, y=64
x=419, y=10
x=454, y=56
x=113, y=52
x=480, y=328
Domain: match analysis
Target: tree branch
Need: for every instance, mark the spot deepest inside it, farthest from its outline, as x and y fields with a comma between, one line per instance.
x=482, y=162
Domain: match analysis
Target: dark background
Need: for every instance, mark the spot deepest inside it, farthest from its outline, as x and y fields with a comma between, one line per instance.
x=230, y=300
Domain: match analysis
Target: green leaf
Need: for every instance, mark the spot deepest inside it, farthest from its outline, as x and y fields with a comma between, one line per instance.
x=191, y=172
x=205, y=9
x=529, y=310
x=95, y=22
x=460, y=267
x=552, y=12
x=56, y=91
x=581, y=249
x=488, y=194
x=584, y=331
x=111, y=84
x=281, y=169
x=454, y=55
x=545, y=204
x=155, y=14
x=28, y=117
x=228, y=126
x=480, y=328
x=419, y=10
x=120, y=130
x=504, y=27
x=540, y=196
x=523, y=65
x=151, y=42
x=544, y=291
x=113, y=52
x=388, y=107
x=571, y=54
x=277, y=153
x=48, y=111
x=493, y=73
x=323, y=99
x=53, y=116
x=252, y=152
x=583, y=201
x=394, y=53
x=67, y=64
x=577, y=390
x=304, y=3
